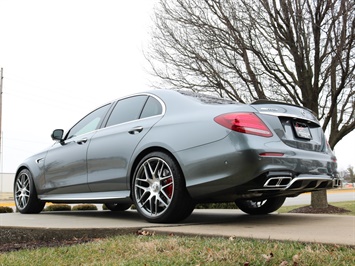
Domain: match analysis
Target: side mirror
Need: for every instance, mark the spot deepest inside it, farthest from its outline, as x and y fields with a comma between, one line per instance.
x=57, y=134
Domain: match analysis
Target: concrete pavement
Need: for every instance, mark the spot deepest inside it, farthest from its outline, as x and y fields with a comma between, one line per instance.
x=316, y=228
x=332, y=229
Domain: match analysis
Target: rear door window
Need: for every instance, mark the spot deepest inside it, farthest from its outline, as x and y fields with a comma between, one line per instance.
x=151, y=108
x=126, y=110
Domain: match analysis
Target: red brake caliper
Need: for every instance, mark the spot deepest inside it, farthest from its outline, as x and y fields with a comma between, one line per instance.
x=169, y=189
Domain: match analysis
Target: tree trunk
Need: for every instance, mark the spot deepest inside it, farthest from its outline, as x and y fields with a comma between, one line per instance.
x=319, y=199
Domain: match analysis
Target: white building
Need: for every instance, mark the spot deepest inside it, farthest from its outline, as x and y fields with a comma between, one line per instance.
x=6, y=182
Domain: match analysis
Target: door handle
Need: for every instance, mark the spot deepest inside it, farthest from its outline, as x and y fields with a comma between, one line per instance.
x=82, y=141
x=135, y=130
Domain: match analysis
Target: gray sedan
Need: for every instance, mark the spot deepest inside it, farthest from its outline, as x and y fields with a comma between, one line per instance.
x=165, y=151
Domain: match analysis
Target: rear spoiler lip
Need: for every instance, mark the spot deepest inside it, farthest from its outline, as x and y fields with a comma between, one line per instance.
x=277, y=102
x=288, y=104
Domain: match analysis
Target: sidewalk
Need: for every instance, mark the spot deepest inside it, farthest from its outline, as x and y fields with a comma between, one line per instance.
x=315, y=228
x=318, y=228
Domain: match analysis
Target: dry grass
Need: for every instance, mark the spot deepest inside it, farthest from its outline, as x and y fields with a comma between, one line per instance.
x=176, y=250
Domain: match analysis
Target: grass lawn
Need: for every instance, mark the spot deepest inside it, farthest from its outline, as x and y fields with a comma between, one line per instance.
x=177, y=250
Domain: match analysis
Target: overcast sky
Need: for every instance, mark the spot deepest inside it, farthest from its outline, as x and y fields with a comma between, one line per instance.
x=61, y=59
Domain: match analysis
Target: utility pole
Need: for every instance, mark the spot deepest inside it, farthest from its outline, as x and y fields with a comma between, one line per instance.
x=1, y=77
x=1, y=176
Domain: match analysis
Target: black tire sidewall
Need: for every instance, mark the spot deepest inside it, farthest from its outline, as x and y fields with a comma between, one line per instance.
x=271, y=205
x=34, y=205
x=175, y=210
x=118, y=207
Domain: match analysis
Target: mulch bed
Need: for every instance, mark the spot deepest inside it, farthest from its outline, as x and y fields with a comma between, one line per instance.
x=329, y=210
x=7, y=247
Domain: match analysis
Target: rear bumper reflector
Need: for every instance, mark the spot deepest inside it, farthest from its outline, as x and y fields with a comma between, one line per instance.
x=271, y=154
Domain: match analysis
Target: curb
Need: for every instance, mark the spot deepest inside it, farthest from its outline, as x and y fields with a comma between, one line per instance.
x=7, y=204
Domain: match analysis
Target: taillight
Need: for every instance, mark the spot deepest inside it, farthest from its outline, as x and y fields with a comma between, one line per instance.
x=247, y=123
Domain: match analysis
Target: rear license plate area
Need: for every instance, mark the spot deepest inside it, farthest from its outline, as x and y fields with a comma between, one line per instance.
x=302, y=130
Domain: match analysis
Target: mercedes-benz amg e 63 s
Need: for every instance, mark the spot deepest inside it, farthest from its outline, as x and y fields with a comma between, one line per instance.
x=165, y=151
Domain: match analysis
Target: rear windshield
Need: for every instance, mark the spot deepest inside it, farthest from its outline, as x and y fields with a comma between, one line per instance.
x=205, y=98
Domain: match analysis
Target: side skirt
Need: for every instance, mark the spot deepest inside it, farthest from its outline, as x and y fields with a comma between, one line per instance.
x=90, y=197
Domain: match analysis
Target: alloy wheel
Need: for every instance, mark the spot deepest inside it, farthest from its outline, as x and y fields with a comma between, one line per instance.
x=154, y=187
x=22, y=190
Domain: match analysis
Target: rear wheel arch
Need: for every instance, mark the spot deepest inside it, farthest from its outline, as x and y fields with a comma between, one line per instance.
x=146, y=152
x=154, y=174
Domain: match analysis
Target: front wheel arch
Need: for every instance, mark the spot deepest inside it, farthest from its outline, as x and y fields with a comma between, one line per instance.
x=25, y=193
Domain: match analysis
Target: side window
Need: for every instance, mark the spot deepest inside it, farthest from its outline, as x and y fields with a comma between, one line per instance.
x=127, y=110
x=152, y=108
x=89, y=123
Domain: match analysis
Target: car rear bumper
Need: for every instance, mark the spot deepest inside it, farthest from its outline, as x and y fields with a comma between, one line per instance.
x=236, y=169
x=301, y=182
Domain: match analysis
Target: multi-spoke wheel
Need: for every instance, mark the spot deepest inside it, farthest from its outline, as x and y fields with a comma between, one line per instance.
x=159, y=190
x=258, y=207
x=118, y=207
x=25, y=194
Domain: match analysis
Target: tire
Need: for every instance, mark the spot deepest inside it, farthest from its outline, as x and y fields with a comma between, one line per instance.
x=25, y=194
x=118, y=207
x=159, y=191
x=259, y=207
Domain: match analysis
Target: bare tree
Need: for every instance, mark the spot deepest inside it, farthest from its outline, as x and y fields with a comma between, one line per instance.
x=351, y=173
x=298, y=51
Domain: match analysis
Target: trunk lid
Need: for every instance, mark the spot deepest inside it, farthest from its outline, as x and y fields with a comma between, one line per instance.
x=296, y=126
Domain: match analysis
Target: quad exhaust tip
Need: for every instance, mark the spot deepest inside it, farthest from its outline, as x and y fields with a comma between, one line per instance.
x=285, y=183
x=278, y=182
